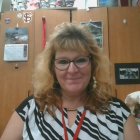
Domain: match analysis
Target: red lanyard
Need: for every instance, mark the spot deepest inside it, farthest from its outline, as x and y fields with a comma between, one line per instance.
x=44, y=32
x=78, y=128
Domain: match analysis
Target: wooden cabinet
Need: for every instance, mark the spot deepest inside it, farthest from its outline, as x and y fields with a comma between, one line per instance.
x=121, y=43
x=124, y=42
x=15, y=77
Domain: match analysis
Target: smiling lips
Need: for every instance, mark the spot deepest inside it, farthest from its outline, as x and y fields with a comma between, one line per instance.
x=73, y=80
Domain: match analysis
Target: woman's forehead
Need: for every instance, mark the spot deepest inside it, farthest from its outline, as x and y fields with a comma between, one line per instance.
x=64, y=53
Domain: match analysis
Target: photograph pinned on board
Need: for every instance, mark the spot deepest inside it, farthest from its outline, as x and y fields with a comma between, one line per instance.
x=96, y=28
x=16, y=44
x=16, y=36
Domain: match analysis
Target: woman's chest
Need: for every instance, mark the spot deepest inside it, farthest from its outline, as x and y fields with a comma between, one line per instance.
x=48, y=128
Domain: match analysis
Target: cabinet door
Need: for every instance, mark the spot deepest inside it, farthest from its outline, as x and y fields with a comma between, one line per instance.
x=124, y=42
x=94, y=15
x=52, y=19
x=15, y=77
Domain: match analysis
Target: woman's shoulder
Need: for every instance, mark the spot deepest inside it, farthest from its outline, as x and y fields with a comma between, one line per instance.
x=26, y=102
x=27, y=105
x=117, y=105
x=118, y=102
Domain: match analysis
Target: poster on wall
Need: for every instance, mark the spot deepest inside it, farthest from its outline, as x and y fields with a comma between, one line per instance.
x=96, y=28
x=127, y=73
x=16, y=44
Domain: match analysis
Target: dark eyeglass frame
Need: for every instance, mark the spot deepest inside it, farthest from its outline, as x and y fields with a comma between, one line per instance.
x=88, y=58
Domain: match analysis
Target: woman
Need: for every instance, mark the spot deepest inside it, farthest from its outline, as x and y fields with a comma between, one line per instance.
x=72, y=95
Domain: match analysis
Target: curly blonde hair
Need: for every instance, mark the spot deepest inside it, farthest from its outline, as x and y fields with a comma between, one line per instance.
x=77, y=37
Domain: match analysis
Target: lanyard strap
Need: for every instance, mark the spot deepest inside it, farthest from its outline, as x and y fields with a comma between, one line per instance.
x=78, y=127
x=43, y=32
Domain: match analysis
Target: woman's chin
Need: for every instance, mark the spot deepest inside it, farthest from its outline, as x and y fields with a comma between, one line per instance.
x=74, y=90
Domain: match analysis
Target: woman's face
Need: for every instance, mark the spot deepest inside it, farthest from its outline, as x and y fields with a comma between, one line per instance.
x=73, y=80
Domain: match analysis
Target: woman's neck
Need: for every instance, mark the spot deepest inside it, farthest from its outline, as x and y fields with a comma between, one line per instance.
x=73, y=102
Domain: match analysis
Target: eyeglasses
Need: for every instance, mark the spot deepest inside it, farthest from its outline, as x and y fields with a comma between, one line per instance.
x=80, y=62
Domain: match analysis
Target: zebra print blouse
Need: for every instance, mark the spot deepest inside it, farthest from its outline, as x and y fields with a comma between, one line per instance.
x=42, y=126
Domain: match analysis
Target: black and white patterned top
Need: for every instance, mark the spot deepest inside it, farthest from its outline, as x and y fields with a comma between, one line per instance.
x=39, y=126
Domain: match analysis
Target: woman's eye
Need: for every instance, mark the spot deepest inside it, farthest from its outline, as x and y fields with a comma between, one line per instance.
x=81, y=60
x=63, y=62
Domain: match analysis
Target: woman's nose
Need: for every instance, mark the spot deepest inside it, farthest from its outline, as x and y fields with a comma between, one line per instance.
x=72, y=67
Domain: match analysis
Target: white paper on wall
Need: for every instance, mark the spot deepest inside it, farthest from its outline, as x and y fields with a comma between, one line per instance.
x=16, y=52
